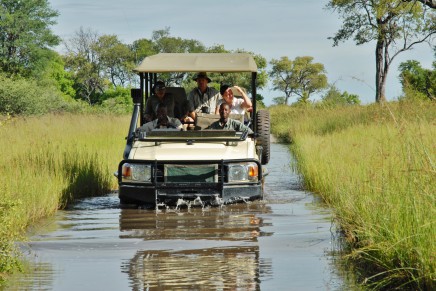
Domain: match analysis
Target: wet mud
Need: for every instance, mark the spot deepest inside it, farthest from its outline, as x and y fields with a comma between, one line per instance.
x=285, y=242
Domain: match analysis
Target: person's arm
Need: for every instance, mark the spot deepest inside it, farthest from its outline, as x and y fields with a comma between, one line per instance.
x=148, y=113
x=247, y=102
x=191, y=106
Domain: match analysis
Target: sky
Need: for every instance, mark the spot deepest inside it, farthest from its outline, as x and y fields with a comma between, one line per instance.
x=271, y=28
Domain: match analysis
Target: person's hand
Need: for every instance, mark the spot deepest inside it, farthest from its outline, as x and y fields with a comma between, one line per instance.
x=238, y=88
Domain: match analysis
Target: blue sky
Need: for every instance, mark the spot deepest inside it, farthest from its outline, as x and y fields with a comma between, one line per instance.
x=271, y=28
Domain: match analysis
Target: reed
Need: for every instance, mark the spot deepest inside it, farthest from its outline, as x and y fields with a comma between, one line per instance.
x=376, y=167
x=46, y=162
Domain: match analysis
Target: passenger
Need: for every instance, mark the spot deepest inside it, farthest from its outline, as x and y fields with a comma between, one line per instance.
x=227, y=123
x=203, y=98
x=187, y=121
x=162, y=120
x=159, y=96
x=237, y=105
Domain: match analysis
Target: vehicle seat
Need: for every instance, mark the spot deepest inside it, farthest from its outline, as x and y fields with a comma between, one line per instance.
x=180, y=100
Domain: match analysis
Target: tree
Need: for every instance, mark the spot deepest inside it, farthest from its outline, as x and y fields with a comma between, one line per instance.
x=164, y=43
x=242, y=79
x=300, y=77
x=416, y=79
x=24, y=32
x=395, y=25
x=82, y=60
x=116, y=60
x=334, y=97
x=142, y=48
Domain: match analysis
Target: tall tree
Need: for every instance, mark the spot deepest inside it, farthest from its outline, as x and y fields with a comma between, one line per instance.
x=395, y=25
x=24, y=32
x=300, y=77
x=83, y=61
x=116, y=60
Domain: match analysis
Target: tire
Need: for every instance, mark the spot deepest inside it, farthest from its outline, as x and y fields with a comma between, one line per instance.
x=263, y=134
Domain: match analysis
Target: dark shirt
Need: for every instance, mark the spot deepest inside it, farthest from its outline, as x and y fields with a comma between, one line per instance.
x=153, y=101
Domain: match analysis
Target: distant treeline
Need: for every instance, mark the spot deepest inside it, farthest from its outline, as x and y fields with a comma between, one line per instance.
x=95, y=72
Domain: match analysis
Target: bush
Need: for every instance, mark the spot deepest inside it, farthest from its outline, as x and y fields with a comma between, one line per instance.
x=25, y=96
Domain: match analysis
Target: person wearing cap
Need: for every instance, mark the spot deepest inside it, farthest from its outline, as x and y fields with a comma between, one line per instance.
x=203, y=98
x=237, y=105
x=226, y=123
x=159, y=96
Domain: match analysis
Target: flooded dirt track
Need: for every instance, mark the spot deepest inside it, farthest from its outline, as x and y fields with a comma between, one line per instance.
x=282, y=243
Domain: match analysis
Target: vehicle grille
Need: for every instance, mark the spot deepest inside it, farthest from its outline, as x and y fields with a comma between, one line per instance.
x=179, y=172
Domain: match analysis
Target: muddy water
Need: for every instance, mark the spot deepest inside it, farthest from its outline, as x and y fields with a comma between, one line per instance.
x=282, y=243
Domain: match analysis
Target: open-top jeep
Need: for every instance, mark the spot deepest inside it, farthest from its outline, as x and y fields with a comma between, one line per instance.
x=199, y=165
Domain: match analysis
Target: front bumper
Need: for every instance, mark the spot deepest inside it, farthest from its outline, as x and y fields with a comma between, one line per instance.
x=161, y=191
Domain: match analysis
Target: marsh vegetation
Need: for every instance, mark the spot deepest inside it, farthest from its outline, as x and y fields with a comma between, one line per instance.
x=375, y=166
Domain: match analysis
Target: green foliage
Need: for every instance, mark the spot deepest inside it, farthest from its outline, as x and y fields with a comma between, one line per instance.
x=117, y=100
x=25, y=34
x=299, y=77
x=26, y=96
x=82, y=61
x=395, y=25
x=115, y=59
x=55, y=75
x=164, y=43
x=334, y=97
x=142, y=48
x=279, y=100
x=418, y=82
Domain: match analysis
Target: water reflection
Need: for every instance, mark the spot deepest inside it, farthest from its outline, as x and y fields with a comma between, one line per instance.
x=234, y=222
x=202, y=269
x=198, y=249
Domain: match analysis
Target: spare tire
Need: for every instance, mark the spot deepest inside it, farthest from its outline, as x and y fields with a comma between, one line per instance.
x=263, y=134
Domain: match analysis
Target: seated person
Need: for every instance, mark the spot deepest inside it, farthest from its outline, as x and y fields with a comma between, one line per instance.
x=227, y=123
x=187, y=121
x=162, y=120
x=157, y=97
x=203, y=98
x=237, y=105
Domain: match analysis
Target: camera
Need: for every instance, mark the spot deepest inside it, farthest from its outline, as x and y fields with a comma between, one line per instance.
x=205, y=109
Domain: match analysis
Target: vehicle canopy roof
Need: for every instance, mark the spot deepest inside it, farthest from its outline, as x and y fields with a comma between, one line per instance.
x=197, y=62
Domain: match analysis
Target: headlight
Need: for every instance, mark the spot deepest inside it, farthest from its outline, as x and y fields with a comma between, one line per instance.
x=136, y=173
x=244, y=172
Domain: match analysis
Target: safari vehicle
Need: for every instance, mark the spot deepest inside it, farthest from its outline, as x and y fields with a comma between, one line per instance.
x=195, y=166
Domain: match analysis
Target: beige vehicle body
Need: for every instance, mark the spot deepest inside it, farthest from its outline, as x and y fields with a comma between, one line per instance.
x=194, y=166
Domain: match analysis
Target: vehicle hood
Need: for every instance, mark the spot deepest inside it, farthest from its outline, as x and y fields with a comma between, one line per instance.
x=196, y=151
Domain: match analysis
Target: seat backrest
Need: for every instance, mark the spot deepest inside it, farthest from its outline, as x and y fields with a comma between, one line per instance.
x=204, y=119
x=180, y=100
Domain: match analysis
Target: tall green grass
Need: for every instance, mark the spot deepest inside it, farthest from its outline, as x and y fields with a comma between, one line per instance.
x=376, y=166
x=46, y=162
